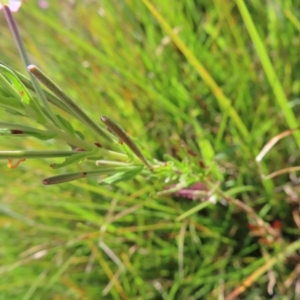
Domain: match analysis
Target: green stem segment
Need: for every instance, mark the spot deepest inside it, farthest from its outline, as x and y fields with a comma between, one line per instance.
x=71, y=140
x=19, y=43
x=17, y=154
x=20, y=127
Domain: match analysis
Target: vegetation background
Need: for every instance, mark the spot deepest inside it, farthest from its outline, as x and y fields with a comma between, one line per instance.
x=167, y=71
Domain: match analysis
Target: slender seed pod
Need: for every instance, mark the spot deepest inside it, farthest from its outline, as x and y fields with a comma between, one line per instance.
x=121, y=134
x=74, y=176
x=81, y=115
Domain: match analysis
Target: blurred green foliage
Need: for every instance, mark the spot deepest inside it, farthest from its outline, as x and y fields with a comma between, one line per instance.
x=82, y=240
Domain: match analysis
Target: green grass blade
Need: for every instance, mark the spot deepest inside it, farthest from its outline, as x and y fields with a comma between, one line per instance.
x=270, y=71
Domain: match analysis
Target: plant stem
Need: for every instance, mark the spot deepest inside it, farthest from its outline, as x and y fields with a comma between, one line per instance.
x=84, y=145
x=72, y=140
x=19, y=43
x=35, y=154
x=21, y=127
x=55, y=153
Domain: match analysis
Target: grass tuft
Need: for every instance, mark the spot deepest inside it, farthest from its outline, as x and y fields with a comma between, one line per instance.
x=204, y=85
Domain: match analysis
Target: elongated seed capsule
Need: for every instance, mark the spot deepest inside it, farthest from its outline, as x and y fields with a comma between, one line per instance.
x=74, y=176
x=43, y=78
x=63, y=178
x=120, y=133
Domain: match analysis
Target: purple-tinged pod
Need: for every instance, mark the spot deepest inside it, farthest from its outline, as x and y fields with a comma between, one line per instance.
x=123, y=136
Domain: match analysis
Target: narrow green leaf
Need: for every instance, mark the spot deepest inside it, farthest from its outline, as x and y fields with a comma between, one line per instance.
x=14, y=112
x=30, y=104
x=11, y=103
x=7, y=87
x=122, y=176
x=76, y=158
x=9, y=132
x=7, y=128
x=67, y=125
x=271, y=73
